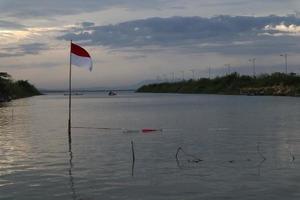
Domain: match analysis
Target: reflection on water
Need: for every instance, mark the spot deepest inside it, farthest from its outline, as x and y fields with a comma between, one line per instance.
x=211, y=147
x=14, y=148
x=259, y=166
x=72, y=184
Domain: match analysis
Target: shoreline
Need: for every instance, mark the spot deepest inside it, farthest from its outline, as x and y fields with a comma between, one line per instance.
x=277, y=84
x=223, y=94
x=9, y=99
x=11, y=89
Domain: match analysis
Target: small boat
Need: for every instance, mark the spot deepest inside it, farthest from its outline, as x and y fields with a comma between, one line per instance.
x=111, y=93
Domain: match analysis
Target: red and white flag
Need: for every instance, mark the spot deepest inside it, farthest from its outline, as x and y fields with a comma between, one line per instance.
x=80, y=57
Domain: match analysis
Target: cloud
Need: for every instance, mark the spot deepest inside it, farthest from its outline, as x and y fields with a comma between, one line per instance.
x=87, y=24
x=23, y=49
x=44, y=8
x=8, y=25
x=282, y=30
x=223, y=34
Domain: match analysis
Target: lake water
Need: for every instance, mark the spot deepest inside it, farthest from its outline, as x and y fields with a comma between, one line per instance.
x=232, y=147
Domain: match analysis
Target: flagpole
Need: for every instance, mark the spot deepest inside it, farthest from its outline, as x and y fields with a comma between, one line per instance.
x=70, y=97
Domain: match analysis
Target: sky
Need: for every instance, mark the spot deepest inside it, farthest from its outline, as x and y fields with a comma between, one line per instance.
x=132, y=41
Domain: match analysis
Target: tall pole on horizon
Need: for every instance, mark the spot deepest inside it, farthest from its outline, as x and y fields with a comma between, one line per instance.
x=193, y=72
x=70, y=97
x=253, y=66
x=228, y=68
x=182, y=74
x=158, y=78
x=165, y=77
x=285, y=59
x=173, y=76
x=209, y=72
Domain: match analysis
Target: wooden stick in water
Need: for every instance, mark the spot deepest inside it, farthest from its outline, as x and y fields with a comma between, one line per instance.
x=133, y=159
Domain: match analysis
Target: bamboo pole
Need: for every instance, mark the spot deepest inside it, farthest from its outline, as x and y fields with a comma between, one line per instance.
x=70, y=97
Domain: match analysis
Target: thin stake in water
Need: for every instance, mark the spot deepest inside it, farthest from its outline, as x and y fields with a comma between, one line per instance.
x=193, y=159
x=258, y=151
x=291, y=154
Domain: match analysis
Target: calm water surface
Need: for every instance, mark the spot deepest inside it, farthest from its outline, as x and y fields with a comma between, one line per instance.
x=232, y=147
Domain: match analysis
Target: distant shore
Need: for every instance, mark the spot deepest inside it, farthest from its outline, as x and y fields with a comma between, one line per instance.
x=276, y=84
x=10, y=89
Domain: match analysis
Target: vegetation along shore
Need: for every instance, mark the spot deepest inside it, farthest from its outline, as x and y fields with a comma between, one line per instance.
x=10, y=89
x=276, y=84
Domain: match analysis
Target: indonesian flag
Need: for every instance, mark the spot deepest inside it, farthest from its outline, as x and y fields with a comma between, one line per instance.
x=80, y=57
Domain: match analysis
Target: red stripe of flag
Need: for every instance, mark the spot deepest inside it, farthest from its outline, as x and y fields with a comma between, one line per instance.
x=79, y=51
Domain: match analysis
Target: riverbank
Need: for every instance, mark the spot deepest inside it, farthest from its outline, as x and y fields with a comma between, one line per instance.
x=276, y=84
x=10, y=89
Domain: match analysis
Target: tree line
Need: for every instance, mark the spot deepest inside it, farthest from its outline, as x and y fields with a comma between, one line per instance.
x=265, y=84
x=11, y=89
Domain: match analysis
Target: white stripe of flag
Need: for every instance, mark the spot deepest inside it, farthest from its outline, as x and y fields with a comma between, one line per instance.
x=80, y=57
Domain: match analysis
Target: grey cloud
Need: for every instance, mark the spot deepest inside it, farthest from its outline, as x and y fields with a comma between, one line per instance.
x=33, y=48
x=225, y=3
x=33, y=8
x=23, y=49
x=134, y=57
x=223, y=34
x=52, y=8
x=34, y=65
x=10, y=25
x=87, y=24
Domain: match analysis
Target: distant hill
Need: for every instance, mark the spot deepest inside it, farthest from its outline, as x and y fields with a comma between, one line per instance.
x=278, y=84
x=10, y=89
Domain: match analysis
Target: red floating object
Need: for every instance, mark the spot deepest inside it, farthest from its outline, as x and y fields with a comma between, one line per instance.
x=148, y=130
